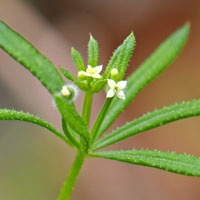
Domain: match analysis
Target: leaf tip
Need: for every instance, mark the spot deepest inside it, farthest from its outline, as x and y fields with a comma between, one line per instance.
x=60, y=68
x=72, y=49
x=92, y=39
x=91, y=36
x=187, y=24
x=185, y=29
x=132, y=35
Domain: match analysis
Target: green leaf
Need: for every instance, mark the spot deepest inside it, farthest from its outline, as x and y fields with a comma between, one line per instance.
x=83, y=85
x=70, y=136
x=6, y=114
x=151, y=120
x=78, y=60
x=98, y=85
x=170, y=161
x=67, y=74
x=71, y=117
x=121, y=57
x=93, y=52
x=149, y=70
x=23, y=52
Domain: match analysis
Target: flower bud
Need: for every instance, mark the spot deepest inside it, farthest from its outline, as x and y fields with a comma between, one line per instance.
x=114, y=74
x=70, y=91
x=81, y=75
x=65, y=92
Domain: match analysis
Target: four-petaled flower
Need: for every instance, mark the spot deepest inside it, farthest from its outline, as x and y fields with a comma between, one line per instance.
x=93, y=72
x=116, y=88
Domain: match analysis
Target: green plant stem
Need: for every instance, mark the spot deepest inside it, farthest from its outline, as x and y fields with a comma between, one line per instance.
x=87, y=104
x=99, y=120
x=72, y=177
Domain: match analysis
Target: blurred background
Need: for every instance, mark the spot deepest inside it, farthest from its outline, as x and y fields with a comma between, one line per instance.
x=33, y=162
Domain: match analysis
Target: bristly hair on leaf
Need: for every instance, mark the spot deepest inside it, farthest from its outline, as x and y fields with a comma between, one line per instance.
x=151, y=68
x=93, y=52
x=121, y=57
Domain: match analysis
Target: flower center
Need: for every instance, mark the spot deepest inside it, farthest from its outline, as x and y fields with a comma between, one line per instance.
x=92, y=71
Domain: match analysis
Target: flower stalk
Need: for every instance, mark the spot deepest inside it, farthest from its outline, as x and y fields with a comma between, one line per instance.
x=87, y=105
x=99, y=120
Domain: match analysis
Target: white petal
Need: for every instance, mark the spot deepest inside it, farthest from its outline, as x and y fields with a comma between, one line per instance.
x=121, y=85
x=110, y=93
x=112, y=84
x=89, y=66
x=83, y=74
x=65, y=92
x=90, y=69
x=120, y=94
x=86, y=74
x=96, y=76
x=98, y=69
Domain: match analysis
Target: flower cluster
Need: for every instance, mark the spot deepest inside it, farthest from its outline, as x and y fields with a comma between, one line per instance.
x=114, y=87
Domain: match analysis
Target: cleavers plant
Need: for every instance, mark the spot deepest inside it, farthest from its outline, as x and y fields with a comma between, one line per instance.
x=76, y=132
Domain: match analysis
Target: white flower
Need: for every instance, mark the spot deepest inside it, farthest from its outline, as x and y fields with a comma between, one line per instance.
x=116, y=88
x=70, y=91
x=93, y=72
x=65, y=92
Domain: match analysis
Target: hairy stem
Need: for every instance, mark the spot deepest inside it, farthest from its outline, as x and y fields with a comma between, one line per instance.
x=87, y=104
x=72, y=177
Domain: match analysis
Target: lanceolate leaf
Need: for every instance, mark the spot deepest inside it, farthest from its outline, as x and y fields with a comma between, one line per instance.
x=6, y=114
x=151, y=120
x=69, y=135
x=93, y=52
x=121, y=57
x=23, y=52
x=71, y=116
x=78, y=60
x=169, y=161
x=67, y=74
x=149, y=70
